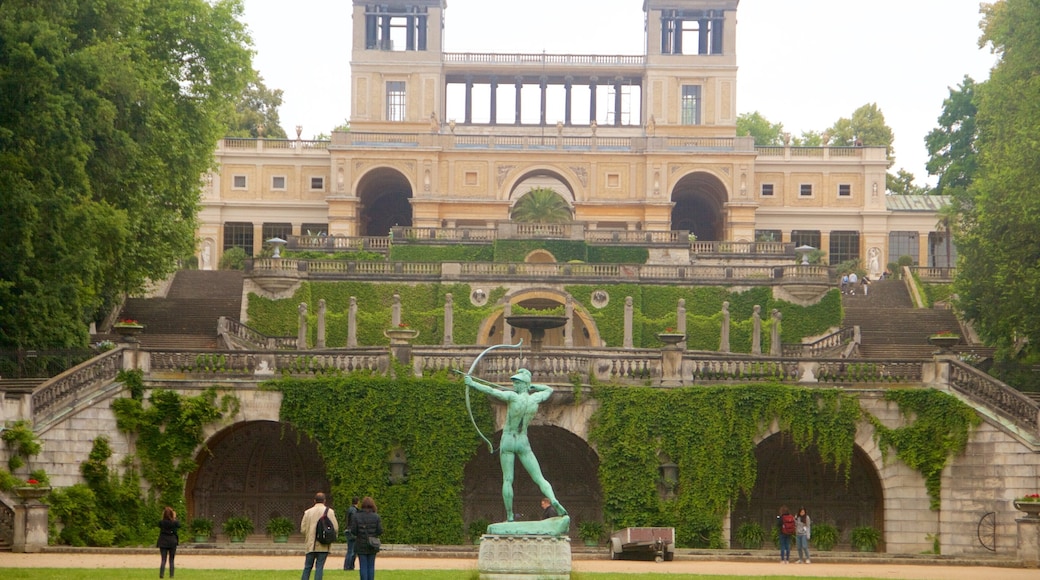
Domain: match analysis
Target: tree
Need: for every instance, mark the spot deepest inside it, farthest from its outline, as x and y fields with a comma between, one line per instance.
x=866, y=128
x=543, y=206
x=902, y=183
x=109, y=112
x=766, y=134
x=998, y=268
x=258, y=107
x=951, y=146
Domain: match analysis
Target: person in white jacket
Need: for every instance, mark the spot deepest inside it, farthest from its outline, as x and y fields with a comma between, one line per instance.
x=316, y=552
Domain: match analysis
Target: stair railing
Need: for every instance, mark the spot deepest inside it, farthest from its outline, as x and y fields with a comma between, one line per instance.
x=238, y=336
x=994, y=394
x=75, y=385
x=821, y=346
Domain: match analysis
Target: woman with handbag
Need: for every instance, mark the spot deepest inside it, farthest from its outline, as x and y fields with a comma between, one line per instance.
x=367, y=527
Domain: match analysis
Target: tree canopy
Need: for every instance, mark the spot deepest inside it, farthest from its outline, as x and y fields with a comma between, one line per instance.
x=766, y=134
x=951, y=146
x=998, y=269
x=109, y=112
x=256, y=111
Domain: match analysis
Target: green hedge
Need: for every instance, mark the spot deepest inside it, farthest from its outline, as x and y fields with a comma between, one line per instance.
x=430, y=253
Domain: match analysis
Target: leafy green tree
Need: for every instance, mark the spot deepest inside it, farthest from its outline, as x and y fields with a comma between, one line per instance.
x=866, y=128
x=809, y=139
x=109, y=112
x=951, y=146
x=766, y=134
x=998, y=269
x=541, y=205
x=902, y=183
x=258, y=107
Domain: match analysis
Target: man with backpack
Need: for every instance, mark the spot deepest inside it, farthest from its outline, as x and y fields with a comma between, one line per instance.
x=786, y=526
x=319, y=528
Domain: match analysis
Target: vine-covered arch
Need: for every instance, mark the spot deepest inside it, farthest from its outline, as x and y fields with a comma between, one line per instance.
x=699, y=205
x=259, y=469
x=585, y=331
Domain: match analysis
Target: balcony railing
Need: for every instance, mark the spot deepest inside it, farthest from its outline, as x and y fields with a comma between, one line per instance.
x=538, y=60
x=534, y=139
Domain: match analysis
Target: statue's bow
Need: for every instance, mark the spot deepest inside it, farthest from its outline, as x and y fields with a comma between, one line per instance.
x=473, y=367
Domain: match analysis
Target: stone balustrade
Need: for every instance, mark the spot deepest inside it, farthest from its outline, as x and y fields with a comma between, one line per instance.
x=994, y=394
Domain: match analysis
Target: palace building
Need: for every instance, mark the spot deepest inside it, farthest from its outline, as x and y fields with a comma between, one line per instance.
x=450, y=141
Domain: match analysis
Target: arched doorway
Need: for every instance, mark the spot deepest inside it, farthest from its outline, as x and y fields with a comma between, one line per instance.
x=700, y=200
x=259, y=469
x=797, y=479
x=585, y=331
x=384, y=194
x=567, y=462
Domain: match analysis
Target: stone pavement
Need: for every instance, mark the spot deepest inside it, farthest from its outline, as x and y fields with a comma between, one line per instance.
x=724, y=563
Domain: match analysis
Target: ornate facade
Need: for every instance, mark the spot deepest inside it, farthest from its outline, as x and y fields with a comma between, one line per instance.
x=631, y=142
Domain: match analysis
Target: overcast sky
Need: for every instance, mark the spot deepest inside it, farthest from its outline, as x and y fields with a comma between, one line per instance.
x=803, y=63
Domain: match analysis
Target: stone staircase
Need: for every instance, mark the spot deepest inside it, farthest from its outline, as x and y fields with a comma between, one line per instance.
x=889, y=324
x=187, y=317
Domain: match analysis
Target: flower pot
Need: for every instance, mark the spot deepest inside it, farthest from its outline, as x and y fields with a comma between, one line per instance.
x=31, y=492
x=201, y=538
x=238, y=539
x=281, y=539
x=400, y=335
x=1032, y=509
x=671, y=337
x=128, y=331
x=945, y=343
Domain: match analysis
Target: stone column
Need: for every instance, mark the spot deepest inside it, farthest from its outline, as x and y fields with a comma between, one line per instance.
x=680, y=321
x=543, y=84
x=1028, y=540
x=756, y=331
x=320, y=342
x=395, y=311
x=568, y=329
x=519, y=84
x=507, y=330
x=628, y=322
x=568, y=84
x=724, y=340
x=301, y=329
x=469, y=99
x=775, y=348
x=617, y=101
x=352, y=323
x=494, y=99
x=592, y=100
x=671, y=365
x=449, y=319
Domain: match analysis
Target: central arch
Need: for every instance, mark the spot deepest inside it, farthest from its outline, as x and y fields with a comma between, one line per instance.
x=385, y=195
x=699, y=206
x=567, y=462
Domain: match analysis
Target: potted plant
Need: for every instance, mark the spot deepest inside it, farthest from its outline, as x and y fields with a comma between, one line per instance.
x=670, y=336
x=865, y=538
x=400, y=334
x=280, y=528
x=751, y=535
x=237, y=528
x=945, y=340
x=590, y=532
x=478, y=528
x=824, y=536
x=201, y=528
x=128, y=328
x=1029, y=504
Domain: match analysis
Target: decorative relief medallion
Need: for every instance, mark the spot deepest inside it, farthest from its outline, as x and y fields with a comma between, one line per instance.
x=582, y=173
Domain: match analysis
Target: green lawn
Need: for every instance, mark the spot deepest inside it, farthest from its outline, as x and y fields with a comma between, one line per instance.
x=333, y=574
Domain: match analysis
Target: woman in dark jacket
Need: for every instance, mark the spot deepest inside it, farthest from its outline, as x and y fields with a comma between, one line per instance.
x=366, y=524
x=168, y=540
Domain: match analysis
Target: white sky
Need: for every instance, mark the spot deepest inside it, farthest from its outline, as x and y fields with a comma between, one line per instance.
x=803, y=63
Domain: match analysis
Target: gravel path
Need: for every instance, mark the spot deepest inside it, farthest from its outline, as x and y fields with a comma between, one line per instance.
x=189, y=560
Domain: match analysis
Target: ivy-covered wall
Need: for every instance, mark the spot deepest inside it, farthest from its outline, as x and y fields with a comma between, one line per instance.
x=654, y=307
x=358, y=420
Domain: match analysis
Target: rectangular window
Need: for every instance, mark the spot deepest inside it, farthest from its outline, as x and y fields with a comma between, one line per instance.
x=903, y=244
x=805, y=190
x=691, y=105
x=767, y=235
x=238, y=235
x=278, y=182
x=395, y=100
x=767, y=190
x=238, y=182
x=844, y=247
x=806, y=238
x=276, y=230
x=941, y=251
x=317, y=184
x=844, y=190
x=314, y=229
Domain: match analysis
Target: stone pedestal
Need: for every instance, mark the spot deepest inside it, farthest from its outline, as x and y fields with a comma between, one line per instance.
x=524, y=557
x=30, y=521
x=1029, y=540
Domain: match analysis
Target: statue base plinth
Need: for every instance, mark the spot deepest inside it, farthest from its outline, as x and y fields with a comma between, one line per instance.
x=524, y=557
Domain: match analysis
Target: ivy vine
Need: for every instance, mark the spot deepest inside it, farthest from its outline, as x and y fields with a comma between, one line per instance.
x=938, y=426
x=359, y=419
x=710, y=434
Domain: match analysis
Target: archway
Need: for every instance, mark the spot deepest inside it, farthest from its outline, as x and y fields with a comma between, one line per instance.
x=259, y=469
x=797, y=479
x=700, y=200
x=567, y=462
x=384, y=194
x=585, y=332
